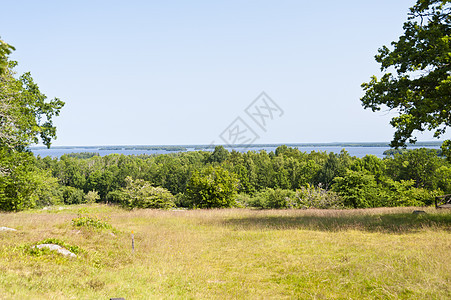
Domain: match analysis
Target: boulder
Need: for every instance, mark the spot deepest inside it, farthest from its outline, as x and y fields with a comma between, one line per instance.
x=56, y=248
x=7, y=229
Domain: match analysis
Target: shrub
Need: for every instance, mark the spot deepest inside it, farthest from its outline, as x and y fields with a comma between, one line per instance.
x=73, y=195
x=243, y=200
x=23, y=186
x=358, y=189
x=116, y=196
x=92, y=197
x=316, y=197
x=403, y=193
x=270, y=198
x=181, y=200
x=90, y=222
x=213, y=187
x=141, y=194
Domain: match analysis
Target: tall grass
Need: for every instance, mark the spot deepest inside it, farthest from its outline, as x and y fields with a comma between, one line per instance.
x=233, y=253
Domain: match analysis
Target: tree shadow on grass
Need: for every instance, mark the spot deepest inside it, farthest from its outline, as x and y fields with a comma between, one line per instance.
x=389, y=223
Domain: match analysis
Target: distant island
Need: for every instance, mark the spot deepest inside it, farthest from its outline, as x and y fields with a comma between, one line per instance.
x=212, y=146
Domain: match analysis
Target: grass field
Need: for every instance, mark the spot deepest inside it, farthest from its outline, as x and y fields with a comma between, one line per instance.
x=225, y=254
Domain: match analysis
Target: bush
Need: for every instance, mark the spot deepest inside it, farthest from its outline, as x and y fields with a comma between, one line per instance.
x=316, y=197
x=92, y=197
x=270, y=198
x=116, y=196
x=213, y=187
x=141, y=194
x=23, y=186
x=73, y=195
x=90, y=222
x=357, y=189
x=181, y=200
x=402, y=193
x=243, y=200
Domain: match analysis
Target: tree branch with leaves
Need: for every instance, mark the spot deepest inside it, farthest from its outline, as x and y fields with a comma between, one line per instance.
x=417, y=79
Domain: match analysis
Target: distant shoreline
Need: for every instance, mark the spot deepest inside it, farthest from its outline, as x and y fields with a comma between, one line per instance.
x=200, y=146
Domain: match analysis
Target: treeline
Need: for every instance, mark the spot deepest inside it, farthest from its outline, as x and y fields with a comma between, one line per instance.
x=148, y=148
x=438, y=152
x=285, y=178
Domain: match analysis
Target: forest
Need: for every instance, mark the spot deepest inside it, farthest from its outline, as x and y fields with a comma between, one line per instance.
x=285, y=178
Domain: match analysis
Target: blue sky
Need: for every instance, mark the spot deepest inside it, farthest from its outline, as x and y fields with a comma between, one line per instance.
x=180, y=72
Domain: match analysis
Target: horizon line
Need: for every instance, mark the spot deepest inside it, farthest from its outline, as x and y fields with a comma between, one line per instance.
x=348, y=144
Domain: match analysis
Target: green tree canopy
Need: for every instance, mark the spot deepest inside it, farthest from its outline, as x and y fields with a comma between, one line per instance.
x=25, y=113
x=420, y=89
x=25, y=116
x=213, y=187
x=5, y=50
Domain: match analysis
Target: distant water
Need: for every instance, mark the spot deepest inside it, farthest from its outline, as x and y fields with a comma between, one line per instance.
x=353, y=151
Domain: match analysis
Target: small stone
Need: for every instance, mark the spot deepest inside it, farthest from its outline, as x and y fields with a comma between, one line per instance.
x=56, y=248
x=417, y=212
x=7, y=229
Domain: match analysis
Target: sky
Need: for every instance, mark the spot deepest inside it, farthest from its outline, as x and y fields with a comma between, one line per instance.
x=193, y=72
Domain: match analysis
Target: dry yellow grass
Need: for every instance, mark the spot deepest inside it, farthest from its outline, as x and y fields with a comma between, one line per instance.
x=233, y=253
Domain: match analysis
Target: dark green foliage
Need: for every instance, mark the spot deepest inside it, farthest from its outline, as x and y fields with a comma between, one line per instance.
x=418, y=165
x=273, y=198
x=334, y=167
x=72, y=195
x=219, y=155
x=446, y=149
x=394, y=151
x=25, y=186
x=115, y=197
x=358, y=189
x=181, y=200
x=82, y=155
x=25, y=117
x=197, y=182
x=370, y=164
x=443, y=175
x=213, y=187
x=438, y=152
x=403, y=193
x=421, y=88
x=25, y=114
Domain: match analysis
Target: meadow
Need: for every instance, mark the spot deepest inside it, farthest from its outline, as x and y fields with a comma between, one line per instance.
x=384, y=253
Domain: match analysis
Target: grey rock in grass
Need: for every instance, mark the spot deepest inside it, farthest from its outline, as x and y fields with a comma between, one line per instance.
x=57, y=248
x=417, y=212
x=7, y=229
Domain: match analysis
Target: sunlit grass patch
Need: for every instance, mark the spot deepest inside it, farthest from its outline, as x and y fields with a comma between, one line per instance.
x=233, y=253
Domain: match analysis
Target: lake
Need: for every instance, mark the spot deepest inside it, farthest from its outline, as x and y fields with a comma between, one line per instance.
x=353, y=150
